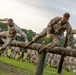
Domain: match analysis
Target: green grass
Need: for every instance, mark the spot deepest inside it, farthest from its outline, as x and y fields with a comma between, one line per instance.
x=26, y=68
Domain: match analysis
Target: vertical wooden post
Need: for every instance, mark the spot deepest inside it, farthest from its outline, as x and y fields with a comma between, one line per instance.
x=62, y=58
x=40, y=64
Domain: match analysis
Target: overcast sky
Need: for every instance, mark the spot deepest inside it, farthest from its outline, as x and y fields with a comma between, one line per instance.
x=35, y=14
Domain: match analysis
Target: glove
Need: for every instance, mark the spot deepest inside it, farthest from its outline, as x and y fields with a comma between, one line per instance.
x=48, y=36
x=26, y=41
x=68, y=47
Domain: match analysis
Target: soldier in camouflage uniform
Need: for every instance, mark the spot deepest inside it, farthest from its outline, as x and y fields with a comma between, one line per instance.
x=51, y=60
x=47, y=60
x=22, y=54
x=12, y=51
x=12, y=30
x=28, y=56
x=56, y=26
x=6, y=52
x=33, y=56
x=16, y=51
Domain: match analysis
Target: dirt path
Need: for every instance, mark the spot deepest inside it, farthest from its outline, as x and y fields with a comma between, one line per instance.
x=6, y=69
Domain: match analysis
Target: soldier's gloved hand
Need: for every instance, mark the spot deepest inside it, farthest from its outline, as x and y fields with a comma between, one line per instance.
x=26, y=41
x=33, y=39
x=68, y=47
x=48, y=36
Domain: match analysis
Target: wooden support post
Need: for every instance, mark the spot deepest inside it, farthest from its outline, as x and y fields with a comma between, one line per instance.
x=40, y=64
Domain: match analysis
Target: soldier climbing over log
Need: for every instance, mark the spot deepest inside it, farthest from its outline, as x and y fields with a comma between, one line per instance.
x=57, y=26
x=12, y=30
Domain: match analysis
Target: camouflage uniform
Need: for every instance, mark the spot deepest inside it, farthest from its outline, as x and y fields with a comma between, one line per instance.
x=28, y=56
x=22, y=54
x=51, y=60
x=67, y=63
x=56, y=27
x=47, y=60
x=16, y=51
x=11, y=35
x=12, y=51
x=34, y=56
x=6, y=51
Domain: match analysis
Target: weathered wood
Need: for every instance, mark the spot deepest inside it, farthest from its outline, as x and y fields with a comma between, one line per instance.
x=57, y=50
x=40, y=64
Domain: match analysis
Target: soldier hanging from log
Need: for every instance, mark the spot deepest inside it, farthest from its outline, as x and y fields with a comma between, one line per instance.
x=56, y=26
x=12, y=30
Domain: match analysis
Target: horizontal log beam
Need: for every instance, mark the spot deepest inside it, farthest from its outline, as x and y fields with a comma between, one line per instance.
x=35, y=46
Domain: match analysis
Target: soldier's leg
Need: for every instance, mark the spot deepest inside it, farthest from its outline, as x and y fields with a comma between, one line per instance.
x=19, y=55
x=25, y=57
x=37, y=37
x=22, y=55
x=53, y=44
x=7, y=43
x=46, y=59
x=6, y=51
x=15, y=53
x=28, y=57
x=4, y=33
x=12, y=53
x=33, y=59
x=42, y=34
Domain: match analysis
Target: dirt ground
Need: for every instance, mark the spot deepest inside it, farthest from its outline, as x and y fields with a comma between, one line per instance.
x=6, y=69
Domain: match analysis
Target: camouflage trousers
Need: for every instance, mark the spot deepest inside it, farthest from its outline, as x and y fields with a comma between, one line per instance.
x=9, y=39
x=6, y=51
x=7, y=43
x=56, y=39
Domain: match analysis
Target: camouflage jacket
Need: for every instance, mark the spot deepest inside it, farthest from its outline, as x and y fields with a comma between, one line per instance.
x=15, y=29
x=56, y=27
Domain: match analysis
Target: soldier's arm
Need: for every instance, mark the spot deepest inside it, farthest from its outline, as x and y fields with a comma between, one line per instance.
x=69, y=35
x=51, y=23
x=18, y=30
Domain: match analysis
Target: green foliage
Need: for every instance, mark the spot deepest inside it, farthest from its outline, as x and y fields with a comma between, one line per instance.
x=3, y=27
x=45, y=39
x=30, y=34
